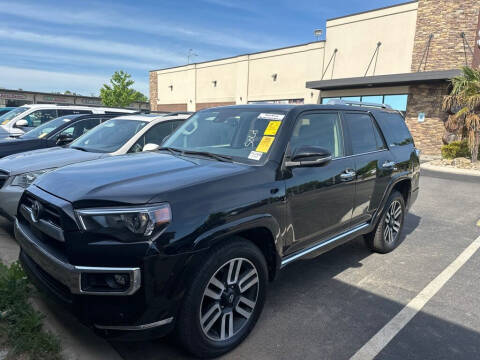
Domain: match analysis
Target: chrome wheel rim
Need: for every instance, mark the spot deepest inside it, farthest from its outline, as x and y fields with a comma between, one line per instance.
x=393, y=222
x=229, y=299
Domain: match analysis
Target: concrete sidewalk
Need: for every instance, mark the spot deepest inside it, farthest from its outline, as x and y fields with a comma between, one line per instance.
x=78, y=341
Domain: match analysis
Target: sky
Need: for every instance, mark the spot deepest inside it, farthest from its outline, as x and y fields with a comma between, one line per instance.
x=54, y=46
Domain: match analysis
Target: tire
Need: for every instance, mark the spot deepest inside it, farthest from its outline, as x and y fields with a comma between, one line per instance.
x=240, y=268
x=387, y=234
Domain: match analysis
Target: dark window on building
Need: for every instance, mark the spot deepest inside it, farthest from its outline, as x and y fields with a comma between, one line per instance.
x=320, y=129
x=394, y=128
x=362, y=134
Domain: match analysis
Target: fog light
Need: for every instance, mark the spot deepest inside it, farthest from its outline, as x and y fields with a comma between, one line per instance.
x=121, y=280
x=105, y=282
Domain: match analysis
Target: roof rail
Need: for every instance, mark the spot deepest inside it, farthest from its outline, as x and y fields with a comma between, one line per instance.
x=357, y=103
x=179, y=113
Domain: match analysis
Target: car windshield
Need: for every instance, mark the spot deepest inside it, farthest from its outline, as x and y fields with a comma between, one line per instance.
x=5, y=118
x=109, y=136
x=245, y=135
x=43, y=130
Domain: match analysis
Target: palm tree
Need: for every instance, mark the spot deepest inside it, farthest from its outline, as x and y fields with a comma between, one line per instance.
x=464, y=104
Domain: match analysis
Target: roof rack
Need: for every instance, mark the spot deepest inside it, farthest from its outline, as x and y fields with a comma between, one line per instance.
x=179, y=113
x=357, y=103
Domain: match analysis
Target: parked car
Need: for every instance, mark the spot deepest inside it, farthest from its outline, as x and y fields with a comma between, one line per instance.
x=27, y=117
x=187, y=237
x=118, y=136
x=5, y=110
x=58, y=132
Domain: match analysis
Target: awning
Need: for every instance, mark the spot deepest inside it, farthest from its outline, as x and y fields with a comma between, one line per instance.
x=383, y=80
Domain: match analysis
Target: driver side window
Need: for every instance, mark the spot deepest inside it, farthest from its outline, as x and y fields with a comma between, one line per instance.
x=78, y=129
x=321, y=129
x=40, y=117
x=153, y=136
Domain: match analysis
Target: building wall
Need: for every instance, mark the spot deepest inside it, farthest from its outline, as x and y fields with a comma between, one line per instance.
x=356, y=37
x=427, y=99
x=241, y=79
x=445, y=19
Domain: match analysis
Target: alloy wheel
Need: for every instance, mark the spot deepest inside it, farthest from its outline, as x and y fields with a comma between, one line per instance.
x=393, y=222
x=229, y=299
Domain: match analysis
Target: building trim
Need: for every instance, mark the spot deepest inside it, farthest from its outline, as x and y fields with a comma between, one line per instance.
x=373, y=10
x=383, y=80
x=246, y=54
x=371, y=18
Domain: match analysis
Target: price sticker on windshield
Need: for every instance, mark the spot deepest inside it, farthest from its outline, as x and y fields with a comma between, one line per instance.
x=255, y=155
x=265, y=116
x=265, y=144
x=272, y=128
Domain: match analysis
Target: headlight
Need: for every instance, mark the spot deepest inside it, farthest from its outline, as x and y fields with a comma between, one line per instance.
x=140, y=222
x=25, y=180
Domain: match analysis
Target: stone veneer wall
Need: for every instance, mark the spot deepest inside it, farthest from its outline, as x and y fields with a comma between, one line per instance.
x=427, y=98
x=445, y=19
x=153, y=90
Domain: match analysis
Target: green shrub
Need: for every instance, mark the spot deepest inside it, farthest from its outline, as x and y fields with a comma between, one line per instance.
x=456, y=149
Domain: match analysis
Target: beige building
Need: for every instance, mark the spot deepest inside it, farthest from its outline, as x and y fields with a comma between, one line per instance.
x=401, y=55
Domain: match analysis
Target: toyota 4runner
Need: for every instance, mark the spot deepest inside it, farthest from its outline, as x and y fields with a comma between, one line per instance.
x=186, y=238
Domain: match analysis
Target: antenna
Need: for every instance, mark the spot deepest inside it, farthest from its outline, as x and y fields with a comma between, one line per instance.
x=190, y=55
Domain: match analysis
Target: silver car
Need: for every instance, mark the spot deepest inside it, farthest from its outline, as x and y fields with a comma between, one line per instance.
x=118, y=136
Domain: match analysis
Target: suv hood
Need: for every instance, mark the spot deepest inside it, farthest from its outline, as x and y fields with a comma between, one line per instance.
x=49, y=158
x=132, y=179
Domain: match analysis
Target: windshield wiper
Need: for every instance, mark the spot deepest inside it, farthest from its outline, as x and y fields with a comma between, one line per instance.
x=173, y=151
x=79, y=148
x=224, y=158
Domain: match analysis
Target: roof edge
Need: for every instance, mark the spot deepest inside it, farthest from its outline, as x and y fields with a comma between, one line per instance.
x=368, y=11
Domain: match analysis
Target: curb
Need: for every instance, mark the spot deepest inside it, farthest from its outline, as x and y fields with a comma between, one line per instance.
x=449, y=170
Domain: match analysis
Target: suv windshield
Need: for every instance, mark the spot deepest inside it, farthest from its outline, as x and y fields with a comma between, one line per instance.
x=5, y=118
x=43, y=130
x=109, y=136
x=244, y=135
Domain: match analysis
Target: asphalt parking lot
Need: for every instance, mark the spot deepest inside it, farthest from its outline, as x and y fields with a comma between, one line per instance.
x=331, y=306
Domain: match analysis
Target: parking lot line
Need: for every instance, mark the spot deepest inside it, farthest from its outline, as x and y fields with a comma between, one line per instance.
x=381, y=339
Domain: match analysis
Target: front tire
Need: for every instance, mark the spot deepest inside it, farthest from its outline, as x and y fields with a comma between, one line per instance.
x=224, y=301
x=386, y=236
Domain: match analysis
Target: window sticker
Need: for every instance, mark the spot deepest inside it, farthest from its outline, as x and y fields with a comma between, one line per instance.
x=265, y=116
x=255, y=155
x=251, y=138
x=265, y=144
x=272, y=128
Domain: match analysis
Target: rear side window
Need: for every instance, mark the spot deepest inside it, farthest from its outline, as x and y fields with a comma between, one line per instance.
x=394, y=128
x=363, y=133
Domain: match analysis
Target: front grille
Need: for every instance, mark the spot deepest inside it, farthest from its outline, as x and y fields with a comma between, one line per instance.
x=50, y=214
x=3, y=178
x=48, y=229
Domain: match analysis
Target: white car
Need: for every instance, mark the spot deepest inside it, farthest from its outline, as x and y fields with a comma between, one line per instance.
x=122, y=135
x=27, y=117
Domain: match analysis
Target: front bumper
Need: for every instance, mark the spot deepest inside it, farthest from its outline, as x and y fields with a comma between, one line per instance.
x=9, y=199
x=119, y=317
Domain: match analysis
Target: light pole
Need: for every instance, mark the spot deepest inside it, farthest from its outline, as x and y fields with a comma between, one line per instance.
x=190, y=55
x=318, y=33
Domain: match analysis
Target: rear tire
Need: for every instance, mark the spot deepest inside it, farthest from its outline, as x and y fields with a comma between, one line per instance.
x=224, y=300
x=386, y=236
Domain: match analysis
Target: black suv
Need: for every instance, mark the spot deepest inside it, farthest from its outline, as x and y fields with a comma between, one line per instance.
x=188, y=237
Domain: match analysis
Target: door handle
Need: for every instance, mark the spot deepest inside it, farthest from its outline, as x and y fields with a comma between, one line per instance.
x=389, y=164
x=348, y=175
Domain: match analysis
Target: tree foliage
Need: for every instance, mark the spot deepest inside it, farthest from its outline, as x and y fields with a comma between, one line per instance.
x=119, y=92
x=464, y=104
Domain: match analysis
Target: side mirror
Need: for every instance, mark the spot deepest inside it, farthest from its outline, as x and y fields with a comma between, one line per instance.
x=151, y=147
x=309, y=156
x=21, y=123
x=64, y=139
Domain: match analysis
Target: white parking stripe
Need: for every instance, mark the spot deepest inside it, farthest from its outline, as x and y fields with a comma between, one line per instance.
x=373, y=347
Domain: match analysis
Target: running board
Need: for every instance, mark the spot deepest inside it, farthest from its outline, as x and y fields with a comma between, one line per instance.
x=302, y=253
